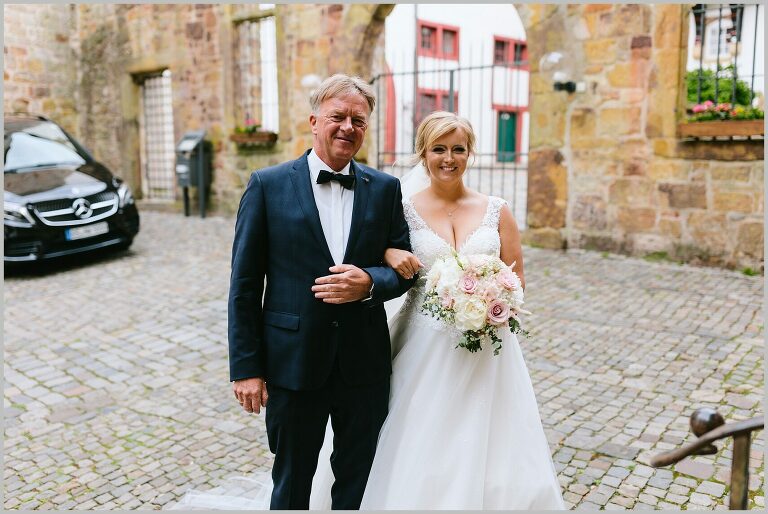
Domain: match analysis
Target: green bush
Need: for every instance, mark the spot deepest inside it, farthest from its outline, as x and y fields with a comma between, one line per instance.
x=724, y=87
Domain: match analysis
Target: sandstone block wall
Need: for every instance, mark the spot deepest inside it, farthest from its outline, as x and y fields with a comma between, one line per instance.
x=40, y=73
x=607, y=170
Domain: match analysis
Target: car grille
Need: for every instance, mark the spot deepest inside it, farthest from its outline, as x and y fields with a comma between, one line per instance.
x=62, y=212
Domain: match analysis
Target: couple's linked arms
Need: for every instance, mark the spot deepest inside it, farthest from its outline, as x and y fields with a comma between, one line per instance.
x=407, y=264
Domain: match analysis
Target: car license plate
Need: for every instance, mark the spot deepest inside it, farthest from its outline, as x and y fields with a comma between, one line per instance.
x=87, y=231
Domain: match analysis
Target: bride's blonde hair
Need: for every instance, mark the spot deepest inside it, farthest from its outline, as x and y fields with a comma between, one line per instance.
x=435, y=126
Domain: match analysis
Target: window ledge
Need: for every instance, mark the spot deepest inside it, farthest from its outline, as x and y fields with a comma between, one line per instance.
x=717, y=128
x=254, y=140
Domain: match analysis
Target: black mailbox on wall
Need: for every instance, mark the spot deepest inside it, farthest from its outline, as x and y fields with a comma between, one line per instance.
x=193, y=166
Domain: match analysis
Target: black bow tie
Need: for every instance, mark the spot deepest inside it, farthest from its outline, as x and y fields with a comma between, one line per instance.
x=346, y=181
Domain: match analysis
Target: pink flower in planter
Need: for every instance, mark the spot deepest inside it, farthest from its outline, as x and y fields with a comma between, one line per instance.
x=699, y=108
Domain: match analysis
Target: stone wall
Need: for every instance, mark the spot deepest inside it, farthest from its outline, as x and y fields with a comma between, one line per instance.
x=40, y=72
x=83, y=66
x=607, y=170
x=120, y=43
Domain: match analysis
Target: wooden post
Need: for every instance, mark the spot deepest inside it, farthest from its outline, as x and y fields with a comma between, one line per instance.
x=740, y=471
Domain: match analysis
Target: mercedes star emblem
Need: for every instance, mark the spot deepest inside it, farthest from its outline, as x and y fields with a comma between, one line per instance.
x=82, y=208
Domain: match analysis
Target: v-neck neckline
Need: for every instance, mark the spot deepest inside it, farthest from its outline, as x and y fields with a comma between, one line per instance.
x=458, y=248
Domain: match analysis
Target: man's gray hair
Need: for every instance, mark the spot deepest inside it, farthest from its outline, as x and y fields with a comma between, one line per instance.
x=340, y=85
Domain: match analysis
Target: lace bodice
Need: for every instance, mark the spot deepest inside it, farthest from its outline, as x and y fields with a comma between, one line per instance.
x=428, y=246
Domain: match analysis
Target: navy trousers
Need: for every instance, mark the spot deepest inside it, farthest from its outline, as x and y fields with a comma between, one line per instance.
x=296, y=423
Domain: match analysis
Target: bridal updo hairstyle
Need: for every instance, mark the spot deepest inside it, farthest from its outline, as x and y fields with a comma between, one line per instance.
x=435, y=126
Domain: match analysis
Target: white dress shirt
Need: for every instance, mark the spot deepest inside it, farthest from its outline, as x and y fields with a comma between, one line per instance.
x=334, y=204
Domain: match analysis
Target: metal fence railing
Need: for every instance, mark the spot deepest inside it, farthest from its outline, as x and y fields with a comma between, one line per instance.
x=725, y=59
x=493, y=97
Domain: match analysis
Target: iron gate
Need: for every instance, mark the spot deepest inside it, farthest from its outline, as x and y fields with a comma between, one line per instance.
x=494, y=98
x=157, y=142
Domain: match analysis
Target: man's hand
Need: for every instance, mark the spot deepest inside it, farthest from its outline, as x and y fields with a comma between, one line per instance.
x=347, y=284
x=251, y=393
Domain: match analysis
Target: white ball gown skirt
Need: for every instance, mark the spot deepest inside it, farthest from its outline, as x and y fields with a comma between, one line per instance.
x=463, y=432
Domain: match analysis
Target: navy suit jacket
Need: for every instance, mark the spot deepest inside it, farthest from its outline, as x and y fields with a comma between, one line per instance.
x=291, y=338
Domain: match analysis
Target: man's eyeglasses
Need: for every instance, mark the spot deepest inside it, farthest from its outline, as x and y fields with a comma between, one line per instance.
x=360, y=123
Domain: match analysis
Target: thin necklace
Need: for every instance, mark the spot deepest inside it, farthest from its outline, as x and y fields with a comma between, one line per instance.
x=450, y=213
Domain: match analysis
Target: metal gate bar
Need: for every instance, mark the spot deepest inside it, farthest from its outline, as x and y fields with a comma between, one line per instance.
x=157, y=138
x=489, y=174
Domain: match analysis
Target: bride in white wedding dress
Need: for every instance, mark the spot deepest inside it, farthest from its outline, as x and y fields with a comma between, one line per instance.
x=463, y=429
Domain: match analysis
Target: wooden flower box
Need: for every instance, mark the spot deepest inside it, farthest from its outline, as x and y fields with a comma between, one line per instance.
x=258, y=139
x=722, y=128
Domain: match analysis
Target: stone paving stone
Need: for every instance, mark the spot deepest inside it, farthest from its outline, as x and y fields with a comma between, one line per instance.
x=623, y=501
x=585, y=505
x=659, y=493
x=699, y=499
x=571, y=497
x=677, y=499
x=685, y=481
x=695, y=469
x=619, y=472
x=711, y=488
x=99, y=403
x=662, y=483
x=679, y=489
x=610, y=480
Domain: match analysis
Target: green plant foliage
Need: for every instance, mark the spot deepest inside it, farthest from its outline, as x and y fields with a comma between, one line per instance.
x=725, y=83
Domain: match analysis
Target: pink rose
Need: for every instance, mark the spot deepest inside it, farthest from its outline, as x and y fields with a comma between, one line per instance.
x=506, y=279
x=699, y=108
x=468, y=283
x=498, y=312
x=446, y=301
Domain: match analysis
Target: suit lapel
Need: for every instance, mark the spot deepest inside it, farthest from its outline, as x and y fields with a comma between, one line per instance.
x=359, y=205
x=301, y=180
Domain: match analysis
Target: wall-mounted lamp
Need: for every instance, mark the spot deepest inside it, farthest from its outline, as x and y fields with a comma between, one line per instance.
x=568, y=85
x=310, y=82
x=560, y=71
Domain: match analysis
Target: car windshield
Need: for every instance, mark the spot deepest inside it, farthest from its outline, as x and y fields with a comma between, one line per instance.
x=37, y=146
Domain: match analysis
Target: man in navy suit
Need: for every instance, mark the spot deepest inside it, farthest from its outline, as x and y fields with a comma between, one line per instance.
x=316, y=229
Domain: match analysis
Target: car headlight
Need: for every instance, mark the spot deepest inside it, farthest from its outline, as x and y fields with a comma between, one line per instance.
x=16, y=215
x=124, y=194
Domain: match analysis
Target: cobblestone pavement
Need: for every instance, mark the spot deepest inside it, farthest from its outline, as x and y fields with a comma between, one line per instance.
x=117, y=395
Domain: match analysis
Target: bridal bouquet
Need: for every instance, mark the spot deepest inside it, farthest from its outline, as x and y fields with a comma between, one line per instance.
x=477, y=294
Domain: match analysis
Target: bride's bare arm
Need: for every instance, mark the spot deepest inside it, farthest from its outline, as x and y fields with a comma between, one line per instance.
x=405, y=263
x=511, y=248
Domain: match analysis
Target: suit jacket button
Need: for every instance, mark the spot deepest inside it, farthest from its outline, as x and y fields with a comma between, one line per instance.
x=335, y=324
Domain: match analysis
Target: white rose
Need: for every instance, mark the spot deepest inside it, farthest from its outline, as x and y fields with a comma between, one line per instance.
x=470, y=313
x=433, y=276
x=449, y=276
